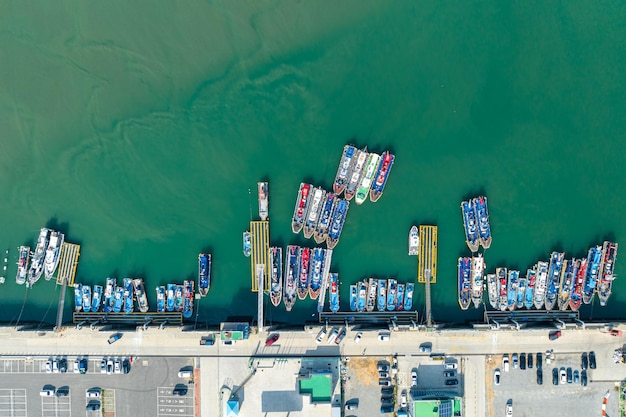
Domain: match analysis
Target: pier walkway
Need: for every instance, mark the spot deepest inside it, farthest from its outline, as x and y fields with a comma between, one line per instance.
x=370, y=317
x=134, y=319
x=68, y=263
x=260, y=245
x=427, y=255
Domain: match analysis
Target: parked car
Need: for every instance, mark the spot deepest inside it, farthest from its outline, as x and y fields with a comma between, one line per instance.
x=515, y=361
x=125, y=366
x=505, y=362
x=555, y=376
x=583, y=378
x=55, y=366
x=93, y=392
x=576, y=377
x=185, y=373
x=450, y=365
x=320, y=335
x=351, y=406
x=332, y=335
x=449, y=374
x=426, y=347
x=386, y=408
x=180, y=389
x=382, y=374
x=530, y=361
x=522, y=361
x=555, y=334
x=584, y=361
x=452, y=382
x=272, y=339
x=592, y=360
x=114, y=338
x=82, y=366
x=384, y=336
x=539, y=359
x=539, y=376
x=383, y=366
x=47, y=391
x=63, y=365
x=496, y=377
x=384, y=382
x=63, y=391
x=413, y=378
x=48, y=366
x=562, y=376
x=109, y=366
x=77, y=366
x=615, y=332
x=358, y=337
x=103, y=366
x=386, y=391
x=509, y=408
x=93, y=405
x=117, y=366
x=403, y=401
x=340, y=336
x=570, y=375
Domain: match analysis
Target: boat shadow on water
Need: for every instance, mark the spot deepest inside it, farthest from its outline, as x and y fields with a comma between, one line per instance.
x=63, y=227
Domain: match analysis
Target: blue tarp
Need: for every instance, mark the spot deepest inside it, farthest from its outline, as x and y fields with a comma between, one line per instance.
x=232, y=408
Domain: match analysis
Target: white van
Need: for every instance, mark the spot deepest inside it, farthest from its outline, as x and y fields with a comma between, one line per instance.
x=47, y=392
x=333, y=335
x=185, y=373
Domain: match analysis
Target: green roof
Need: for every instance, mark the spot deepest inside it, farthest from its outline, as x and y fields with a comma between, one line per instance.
x=318, y=385
x=437, y=408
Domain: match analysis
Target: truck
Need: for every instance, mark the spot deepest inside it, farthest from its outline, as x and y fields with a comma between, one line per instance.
x=207, y=340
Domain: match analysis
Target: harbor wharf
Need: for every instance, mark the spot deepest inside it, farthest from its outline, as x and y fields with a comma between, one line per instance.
x=427, y=255
x=260, y=247
x=384, y=318
x=132, y=319
x=68, y=263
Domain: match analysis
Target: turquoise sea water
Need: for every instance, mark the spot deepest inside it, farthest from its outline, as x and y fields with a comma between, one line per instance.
x=139, y=129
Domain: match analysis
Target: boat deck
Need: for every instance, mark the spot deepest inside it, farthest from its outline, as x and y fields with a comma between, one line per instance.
x=68, y=263
x=135, y=319
x=427, y=255
x=260, y=245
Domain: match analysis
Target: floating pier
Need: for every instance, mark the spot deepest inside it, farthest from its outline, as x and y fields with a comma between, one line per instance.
x=134, y=319
x=260, y=245
x=427, y=255
x=401, y=318
x=68, y=263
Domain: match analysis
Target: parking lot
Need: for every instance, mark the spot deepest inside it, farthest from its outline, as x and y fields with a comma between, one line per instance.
x=362, y=386
x=13, y=402
x=174, y=405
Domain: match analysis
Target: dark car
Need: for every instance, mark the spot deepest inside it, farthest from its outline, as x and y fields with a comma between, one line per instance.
x=272, y=339
x=584, y=361
x=63, y=391
x=583, y=378
x=386, y=408
x=522, y=361
x=592, y=360
x=93, y=405
x=539, y=376
x=449, y=374
x=126, y=366
x=539, y=360
x=63, y=365
x=570, y=375
x=82, y=366
x=452, y=382
x=386, y=391
x=114, y=338
x=386, y=399
x=180, y=389
x=554, y=334
x=555, y=376
x=530, y=361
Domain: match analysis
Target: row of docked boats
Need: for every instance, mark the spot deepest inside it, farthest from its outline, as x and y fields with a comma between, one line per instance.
x=476, y=223
x=320, y=213
x=558, y=283
x=361, y=174
x=382, y=295
x=44, y=260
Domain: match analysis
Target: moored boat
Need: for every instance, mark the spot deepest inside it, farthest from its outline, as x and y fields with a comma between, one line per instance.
x=408, y=296
x=339, y=217
x=482, y=213
x=531, y=282
x=353, y=297
x=178, y=298
x=414, y=240
x=53, y=253
x=118, y=299
x=541, y=284
x=501, y=275
x=291, y=273
x=492, y=290
x=96, y=300
x=511, y=289
x=317, y=201
x=325, y=217
x=188, y=292
x=366, y=182
x=321, y=299
x=160, y=293
x=276, y=280
x=382, y=174
x=472, y=237
x=128, y=296
x=300, y=210
x=392, y=290
x=521, y=291
x=316, y=273
x=333, y=292
x=360, y=305
x=22, y=265
x=567, y=282
x=263, y=200
x=303, y=273
x=594, y=258
x=381, y=301
x=140, y=295
x=171, y=297
x=86, y=289
x=39, y=256
x=360, y=158
x=554, y=276
x=247, y=244
x=464, y=267
x=576, y=298
x=204, y=273
x=371, y=294
x=78, y=297
x=478, y=268
x=609, y=253
x=109, y=294
x=400, y=298
x=344, y=169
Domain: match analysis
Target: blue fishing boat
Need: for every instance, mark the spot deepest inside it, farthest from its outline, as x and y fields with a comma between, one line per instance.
x=86, y=298
x=472, y=236
x=554, y=279
x=591, y=277
x=171, y=297
x=291, y=277
x=333, y=292
x=128, y=296
x=276, y=279
x=247, y=245
x=326, y=216
x=353, y=297
x=382, y=174
x=408, y=296
x=362, y=297
x=204, y=273
x=96, y=301
x=511, y=289
x=178, y=298
x=521, y=291
x=381, y=301
x=160, y=292
x=317, y=268
x=78, y=297
x=392, y=289
x=109, y=294
x=464, y=269
x=400, y=298
x=304, y=280
x=339, y=217
x=531, y=281
x=482, y=213
x=567, y=283
x=188, y=291
x=118, y=299
x=344, y=170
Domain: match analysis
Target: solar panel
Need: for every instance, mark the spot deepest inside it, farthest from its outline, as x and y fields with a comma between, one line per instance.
x=445, y=409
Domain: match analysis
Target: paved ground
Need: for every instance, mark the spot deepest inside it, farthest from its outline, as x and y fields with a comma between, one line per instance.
x=362, y=385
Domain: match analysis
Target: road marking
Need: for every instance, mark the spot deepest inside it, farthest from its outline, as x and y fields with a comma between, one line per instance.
x=13, y=402
x=175, y=405
x=56, y=407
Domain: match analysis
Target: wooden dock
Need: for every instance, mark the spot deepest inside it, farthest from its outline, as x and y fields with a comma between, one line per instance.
x=260, y=245
x=68, y=263
x=427, y=255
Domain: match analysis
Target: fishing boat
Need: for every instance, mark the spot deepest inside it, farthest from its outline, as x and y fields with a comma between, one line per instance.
x=576, y=298
x=371, y=294
x=382, y=174
x=171, y=297
x=300, y=210
x=312, y=217
x=353, y=297
x=360, y=158
x=325, y=217
x=360, y=305
x=140, y=295
x=86, y=289
x=408, y=296
x=118, y=300
x=554, y=276
x=414, y=240
x=178, y=298
x=392, y=290
x=503, y=303
x=511, y=289
x=128, y=296
x=344, y=169
x=160, y=293
x=492, y=290
x=204, y=273
x=478, y=268
x=291, y=274
x=263, y=200
x=53, y=253
x=109, y=293
x=400, y=297
x=316, y=273
x=321, y=299
x=22, y=265
x=521, y=291
x=339, y=217
x=472, y=237
x=304, y=278
x=78, y=297
x=567, y=283
x=609, y=253
x=188, y=292
x=366, y=182
x=38, y=257
x=382, y=295
x=96, y=300
x=276, y=280
x=531, y=282
x=594, y=257
x=247, y=244
x=482, y=213
x=333, y=292
x=464, y=267
x=541, y=284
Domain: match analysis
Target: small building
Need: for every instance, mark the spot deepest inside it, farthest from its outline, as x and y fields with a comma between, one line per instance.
x=437, y=407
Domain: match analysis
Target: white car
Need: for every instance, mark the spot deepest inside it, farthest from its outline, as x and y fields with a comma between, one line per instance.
x=49, y=366
x=93, y=393
x=563, y=376
x=117, y=367
x=321, y=335
x=383, y=337
x=47, y=392
x=509, y=409
x=496, y=377
x=103, y=366
x=358, y=337
x=76, y=366
x=403, y=399
x=55, y=366
x=109, y=366
x=333, y=335
x=505, y=362
x=450, y=365
x=413, y=378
